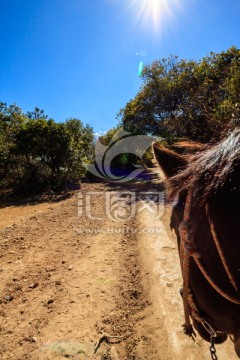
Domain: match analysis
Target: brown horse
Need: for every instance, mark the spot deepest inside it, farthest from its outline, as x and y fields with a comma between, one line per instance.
x=205, y=191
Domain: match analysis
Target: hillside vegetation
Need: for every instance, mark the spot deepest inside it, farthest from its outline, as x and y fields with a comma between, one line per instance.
x=38, y=154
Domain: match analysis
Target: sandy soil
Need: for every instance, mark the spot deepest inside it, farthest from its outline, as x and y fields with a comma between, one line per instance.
x=68, y=280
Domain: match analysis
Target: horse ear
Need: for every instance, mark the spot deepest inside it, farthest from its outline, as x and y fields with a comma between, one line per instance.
x=169, y=161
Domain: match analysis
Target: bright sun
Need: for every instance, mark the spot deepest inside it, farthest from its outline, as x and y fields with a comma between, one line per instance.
x=155, y=12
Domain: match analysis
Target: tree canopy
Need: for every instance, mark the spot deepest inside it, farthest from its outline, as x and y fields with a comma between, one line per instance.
x=186, y=99
x=37, y=153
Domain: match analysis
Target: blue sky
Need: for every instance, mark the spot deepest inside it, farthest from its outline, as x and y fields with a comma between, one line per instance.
x=80, y=58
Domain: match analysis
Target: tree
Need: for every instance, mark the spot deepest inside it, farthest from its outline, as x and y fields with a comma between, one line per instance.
x=81, y=149
x=11, y=120
x=37, y=114
x=186, y=98
x=44, y=145
x=37, y=153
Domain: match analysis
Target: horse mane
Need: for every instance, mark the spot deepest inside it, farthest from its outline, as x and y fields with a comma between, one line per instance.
x=190, y=146
x=211, y=171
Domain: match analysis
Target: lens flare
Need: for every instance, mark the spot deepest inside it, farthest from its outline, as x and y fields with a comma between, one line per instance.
x=155, y=12
x=140, y=69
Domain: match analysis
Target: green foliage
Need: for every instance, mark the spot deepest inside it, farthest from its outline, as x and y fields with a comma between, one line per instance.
x=185, y=98
x=37, y=114
x=81, y=149
x=106, y=138
x=125, y=160
x=37, y=154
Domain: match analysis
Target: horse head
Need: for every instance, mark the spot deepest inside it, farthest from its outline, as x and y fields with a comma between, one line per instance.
x=204, y=188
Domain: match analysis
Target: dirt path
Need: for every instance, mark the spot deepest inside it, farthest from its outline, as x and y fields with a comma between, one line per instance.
x=67, y=279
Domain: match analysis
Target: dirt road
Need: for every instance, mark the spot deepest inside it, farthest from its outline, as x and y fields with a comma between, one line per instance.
x=73, y=286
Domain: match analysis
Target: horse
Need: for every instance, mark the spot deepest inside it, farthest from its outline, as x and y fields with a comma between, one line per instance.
x=204, y=190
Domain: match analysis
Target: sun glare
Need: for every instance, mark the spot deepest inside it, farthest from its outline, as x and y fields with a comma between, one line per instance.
x=155, y=12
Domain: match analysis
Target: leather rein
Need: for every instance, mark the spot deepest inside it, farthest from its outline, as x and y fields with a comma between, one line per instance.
x=188, y=249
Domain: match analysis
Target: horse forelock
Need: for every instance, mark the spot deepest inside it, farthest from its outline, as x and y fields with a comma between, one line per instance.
x=211, y=173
